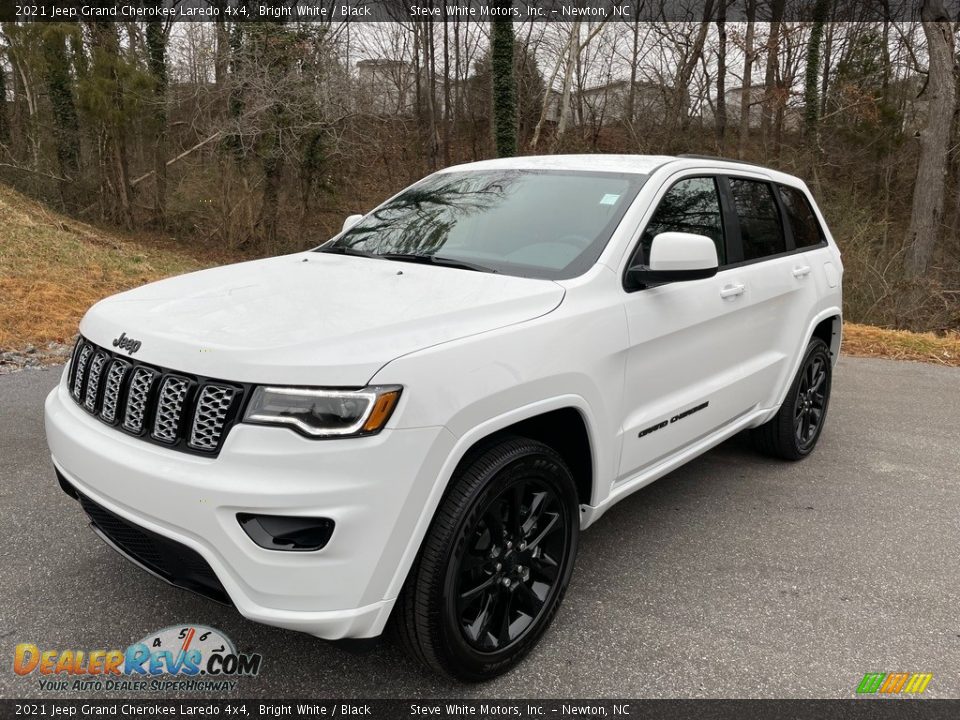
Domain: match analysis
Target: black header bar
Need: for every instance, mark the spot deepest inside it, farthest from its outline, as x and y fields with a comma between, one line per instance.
x=339, y=11
x=495, y=709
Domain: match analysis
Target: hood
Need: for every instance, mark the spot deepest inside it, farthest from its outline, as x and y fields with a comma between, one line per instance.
x=310, y=318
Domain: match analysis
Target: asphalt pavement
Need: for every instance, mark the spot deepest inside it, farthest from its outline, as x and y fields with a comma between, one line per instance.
x=735, y=576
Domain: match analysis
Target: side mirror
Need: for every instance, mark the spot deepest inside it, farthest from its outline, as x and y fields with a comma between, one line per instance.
x=674, y=257
x=350, y=222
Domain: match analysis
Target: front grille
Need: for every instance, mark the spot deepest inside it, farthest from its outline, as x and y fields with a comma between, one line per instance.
x=213, y=407
x=173, y=392
x=185, y=412
x=137, y=399
x=172, y=561
x=80, y=368
x=93, y=380
x=111, y=390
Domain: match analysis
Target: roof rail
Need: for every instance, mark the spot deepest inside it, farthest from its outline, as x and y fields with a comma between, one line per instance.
x=694, y=156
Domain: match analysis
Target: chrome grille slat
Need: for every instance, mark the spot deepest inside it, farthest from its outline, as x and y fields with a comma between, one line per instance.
x=213, y=404
x=93, y=381
x=173, y=392
x=183, y=412
x=136, y=409
x=80, y=370
x=111, y=389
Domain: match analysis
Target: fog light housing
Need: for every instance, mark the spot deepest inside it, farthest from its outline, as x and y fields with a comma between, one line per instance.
x=288, y=533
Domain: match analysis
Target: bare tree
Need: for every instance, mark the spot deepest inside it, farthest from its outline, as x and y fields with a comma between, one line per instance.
x=926, y=216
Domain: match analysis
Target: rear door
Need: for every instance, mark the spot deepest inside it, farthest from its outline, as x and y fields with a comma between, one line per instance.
x=780, y=279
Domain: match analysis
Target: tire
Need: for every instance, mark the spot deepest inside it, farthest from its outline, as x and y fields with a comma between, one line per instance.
x=457, y=614
x=793, y=432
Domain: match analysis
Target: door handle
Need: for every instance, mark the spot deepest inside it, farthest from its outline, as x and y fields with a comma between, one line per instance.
x=731, y=290
x=799, y=272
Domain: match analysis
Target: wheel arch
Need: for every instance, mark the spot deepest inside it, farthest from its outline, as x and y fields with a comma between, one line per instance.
x=565, y=431
x=828, y=326
x=830, y=330
x=535, y=421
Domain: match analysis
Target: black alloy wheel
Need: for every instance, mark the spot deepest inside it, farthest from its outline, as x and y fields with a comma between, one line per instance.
x=793, y=432
x=811, y=401
x=496, y=561
x=511, y=566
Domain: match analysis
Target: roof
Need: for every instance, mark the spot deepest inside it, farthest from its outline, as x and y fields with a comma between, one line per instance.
x=638, y=164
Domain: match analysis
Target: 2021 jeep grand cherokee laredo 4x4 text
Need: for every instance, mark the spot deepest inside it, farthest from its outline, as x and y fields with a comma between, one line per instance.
x=418, y=417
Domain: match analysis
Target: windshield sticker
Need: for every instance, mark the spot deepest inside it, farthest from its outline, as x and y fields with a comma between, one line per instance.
x=609, y=199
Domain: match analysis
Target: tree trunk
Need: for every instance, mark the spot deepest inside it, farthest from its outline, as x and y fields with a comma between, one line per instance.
x=114, y=162
x=66, y=126
x=825, y=76
x=546, y=101
x=721, y=124
x=811, y=84
x=770, y=79
x=631, y=109
x=926, y=217
x=433, y=142
x=446, y=91
x=4, y=119
x=222, y=51
x=504, y=87
x=679, y=112
x=573, y=47
x=157, y=60
x=746, y=90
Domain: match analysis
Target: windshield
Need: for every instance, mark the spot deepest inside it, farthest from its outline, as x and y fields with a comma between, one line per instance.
x=541, y=224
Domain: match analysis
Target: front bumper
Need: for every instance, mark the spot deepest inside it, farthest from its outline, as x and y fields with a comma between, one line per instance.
x=373, y=488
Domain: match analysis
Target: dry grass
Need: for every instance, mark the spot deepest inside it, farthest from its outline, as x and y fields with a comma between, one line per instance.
x=869, y=341
x=52, y=268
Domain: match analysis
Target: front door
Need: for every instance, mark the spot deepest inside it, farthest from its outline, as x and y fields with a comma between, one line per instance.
x=689, y=341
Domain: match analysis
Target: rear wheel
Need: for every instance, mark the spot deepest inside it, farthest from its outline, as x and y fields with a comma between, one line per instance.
x=793, y=432
x=495, y=563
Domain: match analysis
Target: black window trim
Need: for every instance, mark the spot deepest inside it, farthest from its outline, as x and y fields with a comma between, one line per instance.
x=738, y=237
x=792, y=249
x=724, y=221
x=732, y=241
x=778, y=188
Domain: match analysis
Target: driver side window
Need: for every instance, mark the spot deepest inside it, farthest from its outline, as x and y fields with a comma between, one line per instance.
x=690, y=206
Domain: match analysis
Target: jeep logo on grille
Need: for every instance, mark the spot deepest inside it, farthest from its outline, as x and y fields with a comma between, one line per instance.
x=125, y=343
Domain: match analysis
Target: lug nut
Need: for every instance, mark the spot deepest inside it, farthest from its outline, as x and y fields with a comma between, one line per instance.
x=523, y=546
x=506, y=582
x=499, y=567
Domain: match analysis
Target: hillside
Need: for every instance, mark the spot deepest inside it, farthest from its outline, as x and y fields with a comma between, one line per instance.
x=52, y=268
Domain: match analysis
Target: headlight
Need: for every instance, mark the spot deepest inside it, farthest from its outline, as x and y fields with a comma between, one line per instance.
x=321, y=413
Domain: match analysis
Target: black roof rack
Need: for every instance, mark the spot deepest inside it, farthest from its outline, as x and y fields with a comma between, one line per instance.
x=693, y=156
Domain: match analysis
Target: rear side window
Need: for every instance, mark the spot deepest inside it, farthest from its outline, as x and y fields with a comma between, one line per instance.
x=690, y=206
x=760, y=228
x=803, y=222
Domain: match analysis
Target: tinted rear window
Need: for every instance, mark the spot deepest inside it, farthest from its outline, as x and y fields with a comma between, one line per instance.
x=760, y=226
x=803, y=221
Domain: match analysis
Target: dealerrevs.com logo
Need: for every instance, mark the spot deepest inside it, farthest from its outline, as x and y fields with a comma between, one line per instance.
x=180, y=657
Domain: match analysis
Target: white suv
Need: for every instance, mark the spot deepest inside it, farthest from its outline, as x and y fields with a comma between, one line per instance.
x=416, y=419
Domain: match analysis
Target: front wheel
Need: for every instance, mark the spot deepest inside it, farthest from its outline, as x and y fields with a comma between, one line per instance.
x=495, y=564
x=793, y=432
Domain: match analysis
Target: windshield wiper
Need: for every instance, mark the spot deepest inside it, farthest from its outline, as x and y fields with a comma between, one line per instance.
x=345, y=250
x=434, y=260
